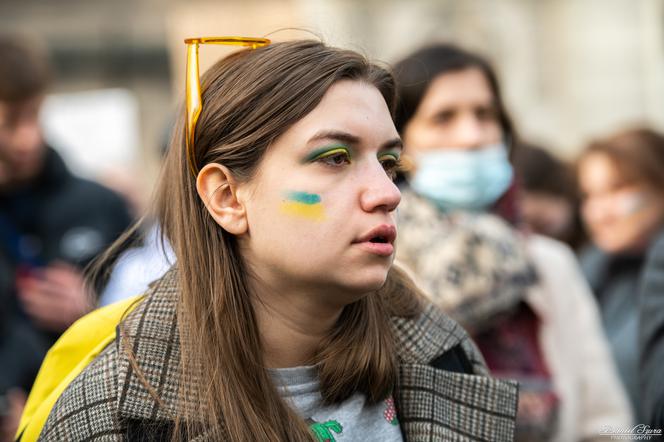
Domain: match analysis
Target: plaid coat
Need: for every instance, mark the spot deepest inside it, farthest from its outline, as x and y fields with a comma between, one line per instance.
x=107, y=401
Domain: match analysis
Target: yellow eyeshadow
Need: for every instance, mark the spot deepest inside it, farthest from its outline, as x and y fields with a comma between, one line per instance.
x=324, y=152
x=388, y=155
x=332, y=152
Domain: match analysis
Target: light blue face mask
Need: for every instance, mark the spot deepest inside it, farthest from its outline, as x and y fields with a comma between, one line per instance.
x=463, y=179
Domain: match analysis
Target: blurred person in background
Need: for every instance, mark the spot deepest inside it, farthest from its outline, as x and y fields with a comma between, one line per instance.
x=651, y=335
x=622, y=184
x=145, y=258
x=51, y=225
x=548, y=195
x=521, y=296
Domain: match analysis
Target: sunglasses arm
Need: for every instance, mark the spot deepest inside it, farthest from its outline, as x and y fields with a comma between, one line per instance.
x=194, y=105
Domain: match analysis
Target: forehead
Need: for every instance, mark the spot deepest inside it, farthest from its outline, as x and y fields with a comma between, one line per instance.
x=466, y=87
x=597, y=171
x=351, y=106
x=11, y=108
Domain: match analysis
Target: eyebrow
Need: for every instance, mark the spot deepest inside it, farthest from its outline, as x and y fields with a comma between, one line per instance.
x=353, y=139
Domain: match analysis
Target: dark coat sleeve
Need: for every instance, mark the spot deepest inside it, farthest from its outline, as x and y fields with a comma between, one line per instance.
x=651, y=336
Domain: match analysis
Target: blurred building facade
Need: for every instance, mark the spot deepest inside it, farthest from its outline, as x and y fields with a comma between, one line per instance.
x=571, y=69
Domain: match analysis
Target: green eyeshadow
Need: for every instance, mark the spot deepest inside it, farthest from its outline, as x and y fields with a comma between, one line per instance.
x=327, y=150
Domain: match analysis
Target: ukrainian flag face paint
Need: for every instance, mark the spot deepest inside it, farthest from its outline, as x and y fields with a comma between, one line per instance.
x=303, y=205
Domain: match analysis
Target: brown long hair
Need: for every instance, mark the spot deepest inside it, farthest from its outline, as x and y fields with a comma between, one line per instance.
x=637, y=153
x=249, y=99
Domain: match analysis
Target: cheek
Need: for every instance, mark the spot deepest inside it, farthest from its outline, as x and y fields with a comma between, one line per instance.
x=493, y=133
x=618, y=226
x=297, y=239
x=319, y=228
x=303, y=206
x=596, y=213
x=650, y=220
x=292, y=219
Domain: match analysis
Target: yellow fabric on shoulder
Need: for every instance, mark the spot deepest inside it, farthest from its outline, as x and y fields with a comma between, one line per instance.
x=75, y=349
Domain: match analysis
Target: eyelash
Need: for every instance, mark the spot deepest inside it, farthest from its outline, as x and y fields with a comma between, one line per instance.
x=328, y=157
x=391, y=163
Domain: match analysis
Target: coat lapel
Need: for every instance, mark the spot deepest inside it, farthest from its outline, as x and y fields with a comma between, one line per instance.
x=444, y=406
x=438, y=405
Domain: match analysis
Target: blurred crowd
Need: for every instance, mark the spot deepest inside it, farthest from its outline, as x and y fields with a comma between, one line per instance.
x=555, y=267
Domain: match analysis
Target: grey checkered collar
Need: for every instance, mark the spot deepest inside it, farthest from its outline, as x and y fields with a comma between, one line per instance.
x=472, y=405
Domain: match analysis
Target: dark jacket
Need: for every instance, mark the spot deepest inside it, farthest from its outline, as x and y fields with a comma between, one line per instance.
x=651, y=336
x=109, y=400
x=615, y=282
x=57, y=216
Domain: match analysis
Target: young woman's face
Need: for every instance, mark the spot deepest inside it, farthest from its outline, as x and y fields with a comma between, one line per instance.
x=457, y=112
x=322, y=206
x=621, y=216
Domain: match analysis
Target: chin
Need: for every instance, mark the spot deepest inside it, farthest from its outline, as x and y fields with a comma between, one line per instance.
x=367, y=281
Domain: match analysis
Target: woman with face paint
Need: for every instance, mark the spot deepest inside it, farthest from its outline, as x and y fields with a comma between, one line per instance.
x=283, y=318
x=622, y=184
x=521, y=296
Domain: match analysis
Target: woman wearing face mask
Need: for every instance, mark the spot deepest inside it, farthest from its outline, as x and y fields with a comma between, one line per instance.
x=622, y=183
x=282, y=319
x=521, y=296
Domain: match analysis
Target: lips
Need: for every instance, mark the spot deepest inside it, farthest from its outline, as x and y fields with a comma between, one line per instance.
x=385, y=233
x=379, y=240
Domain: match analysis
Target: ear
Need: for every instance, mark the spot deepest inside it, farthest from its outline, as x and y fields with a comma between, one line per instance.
x=218, y=190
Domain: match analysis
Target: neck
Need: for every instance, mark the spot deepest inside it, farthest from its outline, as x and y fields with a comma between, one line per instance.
x=292, y=324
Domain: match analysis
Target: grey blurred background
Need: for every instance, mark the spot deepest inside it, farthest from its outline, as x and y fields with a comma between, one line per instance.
x=571, y=69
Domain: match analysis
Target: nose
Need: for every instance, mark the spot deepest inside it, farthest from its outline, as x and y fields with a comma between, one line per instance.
x=596, y=210
x=379, y=191
x=469, y=132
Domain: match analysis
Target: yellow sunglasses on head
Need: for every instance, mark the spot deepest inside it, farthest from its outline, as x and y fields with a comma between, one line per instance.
x=193, y=84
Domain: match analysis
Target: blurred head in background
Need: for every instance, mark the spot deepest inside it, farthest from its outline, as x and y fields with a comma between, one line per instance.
x=548, y=195
x=24, y=78
x=455, y=127
x=622, y=183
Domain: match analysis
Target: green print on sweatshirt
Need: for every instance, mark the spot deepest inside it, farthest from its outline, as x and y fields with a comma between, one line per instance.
x=323, y=430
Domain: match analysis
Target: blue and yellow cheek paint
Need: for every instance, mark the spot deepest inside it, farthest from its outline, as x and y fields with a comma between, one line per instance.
x=303, y=205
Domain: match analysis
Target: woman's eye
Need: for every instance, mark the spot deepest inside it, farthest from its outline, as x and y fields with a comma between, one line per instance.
x=335, y=159
x=391, y=165
x=487, y=114
x=444, y=117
